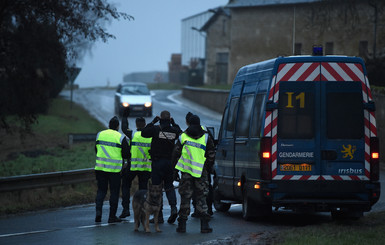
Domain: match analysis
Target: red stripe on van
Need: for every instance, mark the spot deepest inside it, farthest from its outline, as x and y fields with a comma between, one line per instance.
x=291, y=72
x=308, y=72
x=354, y=177
x=287, y=177
x=372, y=126
x=336, y=177
x=323, y=78
x=304, y=177
x=273, y=173
x=332, y=71
x=359, y=66
x=350, y=73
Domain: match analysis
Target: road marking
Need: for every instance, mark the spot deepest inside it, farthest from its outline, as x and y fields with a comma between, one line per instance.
x=25, y=233
x=45, y=231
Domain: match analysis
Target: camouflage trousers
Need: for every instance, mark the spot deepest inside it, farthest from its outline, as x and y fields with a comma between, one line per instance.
x=187, y=186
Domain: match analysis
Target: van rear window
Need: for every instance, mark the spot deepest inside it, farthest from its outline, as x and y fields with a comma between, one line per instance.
x=296, y=110
x=345, y=118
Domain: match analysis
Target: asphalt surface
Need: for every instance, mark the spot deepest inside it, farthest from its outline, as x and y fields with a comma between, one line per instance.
x=75, y=225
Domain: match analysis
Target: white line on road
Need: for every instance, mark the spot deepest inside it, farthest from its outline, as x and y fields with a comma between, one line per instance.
x=25, y=233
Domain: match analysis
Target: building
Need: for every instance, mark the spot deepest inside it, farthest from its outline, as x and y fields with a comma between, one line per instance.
x=217, y=30
x=257, y=30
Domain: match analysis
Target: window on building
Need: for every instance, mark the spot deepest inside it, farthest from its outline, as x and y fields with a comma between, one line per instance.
x=329, y=48
x=222, y=62
x=298, y=49
x=363, y=49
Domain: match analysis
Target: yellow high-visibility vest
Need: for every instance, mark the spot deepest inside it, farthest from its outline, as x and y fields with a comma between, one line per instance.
x=109, y=151
x=140, y=157
x=193, y=157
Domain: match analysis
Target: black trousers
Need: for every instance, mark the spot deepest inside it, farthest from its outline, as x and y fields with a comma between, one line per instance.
x=162, y=171
x=104, y=180
x=127, y=178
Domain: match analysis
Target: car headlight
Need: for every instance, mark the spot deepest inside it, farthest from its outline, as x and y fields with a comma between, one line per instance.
x=125, y=104
x=148, y=104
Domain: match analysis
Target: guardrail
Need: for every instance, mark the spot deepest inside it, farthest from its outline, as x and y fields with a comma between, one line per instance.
x=33, y=181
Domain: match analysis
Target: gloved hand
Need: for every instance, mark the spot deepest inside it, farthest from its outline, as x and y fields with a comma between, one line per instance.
x=156, y=119
x=172, y=121
x=126, y=112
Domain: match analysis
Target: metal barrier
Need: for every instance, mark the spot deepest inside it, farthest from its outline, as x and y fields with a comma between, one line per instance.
x=73, y=138
x=33, y=181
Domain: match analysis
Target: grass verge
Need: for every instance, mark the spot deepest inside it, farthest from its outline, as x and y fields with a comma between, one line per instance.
x=46, y=149
x=367, y=230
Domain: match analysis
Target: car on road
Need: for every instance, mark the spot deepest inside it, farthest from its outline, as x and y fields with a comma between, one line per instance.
x=133, y=95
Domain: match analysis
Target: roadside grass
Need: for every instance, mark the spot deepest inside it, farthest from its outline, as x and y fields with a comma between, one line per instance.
x=367, y=230
x=46, y=149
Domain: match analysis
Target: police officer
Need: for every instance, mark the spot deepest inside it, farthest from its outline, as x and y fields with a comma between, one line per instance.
x=111, y=148
x=162, y=144
x=193, y=155
x=140, y=165
x=210, y=196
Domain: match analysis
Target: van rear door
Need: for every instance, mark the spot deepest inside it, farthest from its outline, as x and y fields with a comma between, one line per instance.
x=342, y=131
x=298, y=140
x=321, y=129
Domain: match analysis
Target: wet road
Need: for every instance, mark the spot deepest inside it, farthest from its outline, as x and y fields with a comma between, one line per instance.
x=100, y=104
x=75, y=225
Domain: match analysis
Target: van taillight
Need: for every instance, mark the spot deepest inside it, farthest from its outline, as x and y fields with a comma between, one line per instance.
x=374, y=159
x=265, y=158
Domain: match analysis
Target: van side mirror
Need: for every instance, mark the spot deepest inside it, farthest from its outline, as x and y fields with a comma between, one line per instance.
x=370, y=106
x=271, y=105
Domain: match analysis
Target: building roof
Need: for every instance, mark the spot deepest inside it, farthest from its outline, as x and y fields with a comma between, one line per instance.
x=217, y=12
x=255, y=3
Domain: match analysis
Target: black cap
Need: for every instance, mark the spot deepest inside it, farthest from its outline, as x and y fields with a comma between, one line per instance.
x=195, y=120
x=114, y=123
x=188, y=115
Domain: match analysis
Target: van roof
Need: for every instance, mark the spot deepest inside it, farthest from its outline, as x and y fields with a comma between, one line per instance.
x=273, y=63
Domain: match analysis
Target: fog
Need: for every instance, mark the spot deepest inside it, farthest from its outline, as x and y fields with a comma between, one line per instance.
x=143, y=44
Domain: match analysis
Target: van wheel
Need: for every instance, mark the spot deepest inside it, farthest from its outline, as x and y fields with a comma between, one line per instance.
x=248, y=206
x=218, y=204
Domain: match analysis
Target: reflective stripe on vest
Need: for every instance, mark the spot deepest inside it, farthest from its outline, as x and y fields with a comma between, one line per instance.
x=109, y=151
x=193, y=157
x=140, y=157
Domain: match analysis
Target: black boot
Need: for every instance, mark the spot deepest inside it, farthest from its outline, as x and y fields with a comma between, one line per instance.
x=98, y=217
x=173, y=215
x=205, y=228
x=125, y=213
x=181, y=226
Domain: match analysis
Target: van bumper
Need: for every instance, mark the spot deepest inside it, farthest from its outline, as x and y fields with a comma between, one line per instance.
x=325, y=195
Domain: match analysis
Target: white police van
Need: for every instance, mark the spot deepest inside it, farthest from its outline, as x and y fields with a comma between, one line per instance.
x=299, y=133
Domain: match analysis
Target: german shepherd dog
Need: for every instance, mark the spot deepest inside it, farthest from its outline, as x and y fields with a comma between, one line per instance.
x=145, y=203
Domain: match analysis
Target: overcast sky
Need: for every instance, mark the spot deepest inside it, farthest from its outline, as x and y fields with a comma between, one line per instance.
x=144, y=44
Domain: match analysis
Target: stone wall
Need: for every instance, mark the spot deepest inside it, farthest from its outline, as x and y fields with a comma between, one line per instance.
x=214, y=99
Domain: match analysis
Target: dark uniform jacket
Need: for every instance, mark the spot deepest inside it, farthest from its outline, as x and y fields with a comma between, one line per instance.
x=163, y=138
x=195, y=132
